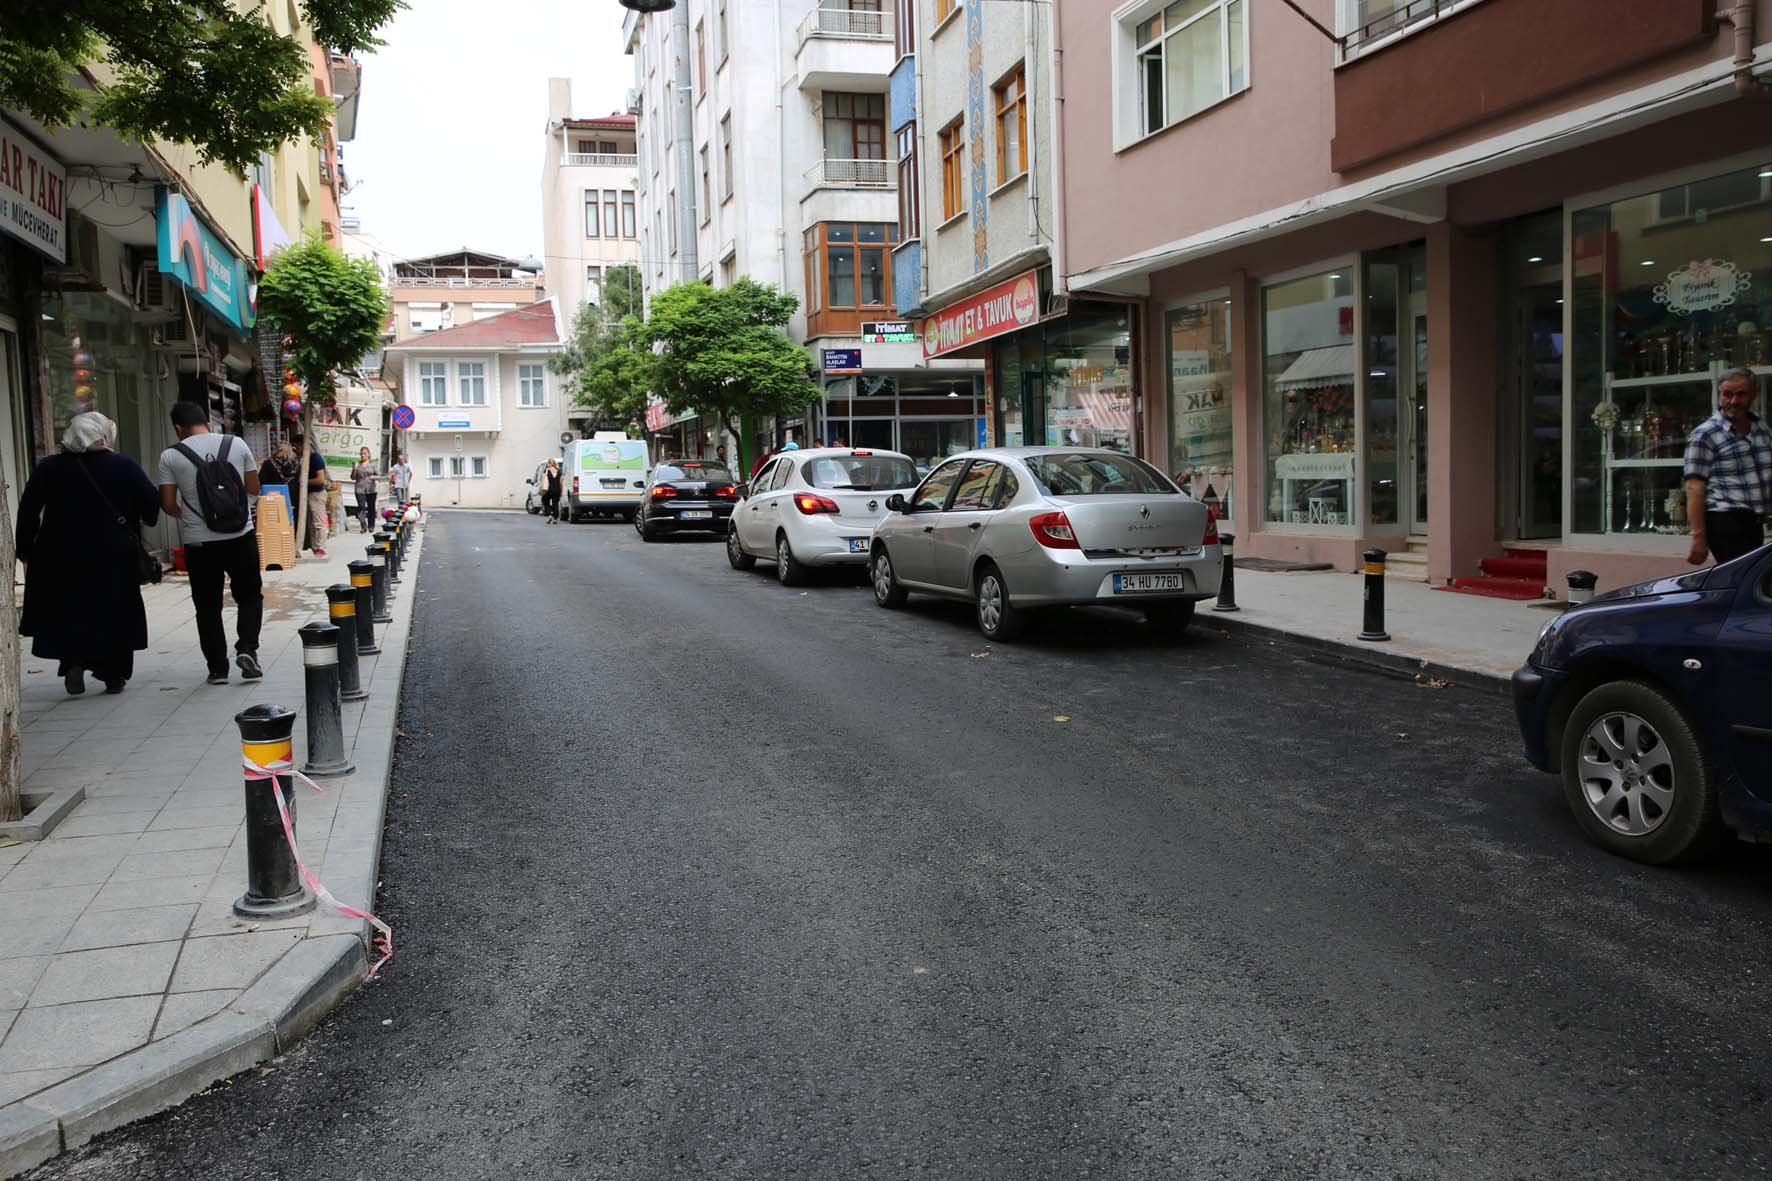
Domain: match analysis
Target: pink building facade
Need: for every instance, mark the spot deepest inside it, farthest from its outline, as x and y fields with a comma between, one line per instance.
x=1454, y=279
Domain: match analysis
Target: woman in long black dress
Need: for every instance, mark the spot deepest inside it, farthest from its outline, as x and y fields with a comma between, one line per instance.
x=83, y=601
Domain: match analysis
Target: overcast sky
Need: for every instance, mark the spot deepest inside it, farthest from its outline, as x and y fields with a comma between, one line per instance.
x=450, y=131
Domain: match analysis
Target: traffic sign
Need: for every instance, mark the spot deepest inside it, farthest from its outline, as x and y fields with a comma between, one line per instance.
x=404, y=417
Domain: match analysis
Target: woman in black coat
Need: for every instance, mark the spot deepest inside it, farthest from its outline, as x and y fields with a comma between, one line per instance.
x=83, y=601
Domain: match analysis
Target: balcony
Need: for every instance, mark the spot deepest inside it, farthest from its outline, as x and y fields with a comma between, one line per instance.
x=597, y=160
x=845, y=49
x=851, y=174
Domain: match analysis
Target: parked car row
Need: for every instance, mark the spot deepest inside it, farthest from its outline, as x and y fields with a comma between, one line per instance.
x=1012, y=530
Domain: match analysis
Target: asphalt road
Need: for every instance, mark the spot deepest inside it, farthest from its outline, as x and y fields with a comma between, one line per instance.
x=696, y=875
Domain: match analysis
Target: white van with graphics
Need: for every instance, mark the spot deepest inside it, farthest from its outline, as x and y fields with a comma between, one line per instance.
x=605, y=474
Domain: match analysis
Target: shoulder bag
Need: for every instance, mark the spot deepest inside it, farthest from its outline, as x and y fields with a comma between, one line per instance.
x=147, y=566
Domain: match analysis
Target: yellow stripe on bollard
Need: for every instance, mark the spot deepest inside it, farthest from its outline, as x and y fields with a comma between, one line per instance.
x=1372, y=568
x=266, y=753
x=362, y=580
x=342, y=610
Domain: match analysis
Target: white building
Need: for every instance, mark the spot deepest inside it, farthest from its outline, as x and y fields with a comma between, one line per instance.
x=590, y=212
x=791, y=178
x=487, y=409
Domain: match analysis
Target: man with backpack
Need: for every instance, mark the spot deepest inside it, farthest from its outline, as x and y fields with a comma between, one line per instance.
x=208, y=481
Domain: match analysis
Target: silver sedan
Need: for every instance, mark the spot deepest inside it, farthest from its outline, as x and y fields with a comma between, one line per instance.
x=1019, y=528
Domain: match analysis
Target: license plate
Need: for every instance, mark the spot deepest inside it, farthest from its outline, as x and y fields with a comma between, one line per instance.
x=858, y=545
x=695, y=514
x=1138, y=584
x=613, y=483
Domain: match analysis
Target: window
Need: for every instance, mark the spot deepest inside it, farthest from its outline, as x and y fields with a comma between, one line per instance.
x=591, y=213
x=784, y=471
x=433, y=383
x=722, y=45
x=1011, y=102
x=532, y=385
x=436, y=467
x=483, y=311
x=607, y=147
x=627, y=214
x=814, y=287
x=1189, y=56
x=953, y=168
x=857, y=265
x=726, y=156
x=910, y=197
x=611, y=226
x=594, y=285
x=945, y=9
x=477, y=467
x=470, y=380
x=672, y=228
x=701, y=61
x=1365, y=21
x=424, y=317
x=707, y=193
x=904, y=28
x=974, y=489
x=933, y=494
x=457, y=467
x=1200, y=455
x=854, y=126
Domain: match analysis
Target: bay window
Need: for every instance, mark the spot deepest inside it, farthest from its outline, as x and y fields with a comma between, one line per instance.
x=848, y=271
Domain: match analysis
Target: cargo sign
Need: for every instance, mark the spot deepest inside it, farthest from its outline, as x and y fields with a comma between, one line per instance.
x=1012, y=304
x=888, y=332
x=33, y=194
x=841, y=360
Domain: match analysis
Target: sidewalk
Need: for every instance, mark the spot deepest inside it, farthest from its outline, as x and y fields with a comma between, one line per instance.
x=1465, y=639
x=126, y=981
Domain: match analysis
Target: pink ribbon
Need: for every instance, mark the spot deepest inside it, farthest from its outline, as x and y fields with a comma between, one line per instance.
x=384, y=942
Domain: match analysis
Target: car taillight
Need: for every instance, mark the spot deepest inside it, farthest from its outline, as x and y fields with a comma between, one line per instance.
x=575, y=483
x=1053, y=530
x=1211, y=537
x=663, y=491
x=813, y=505
x=725, y=492
x=861, y=453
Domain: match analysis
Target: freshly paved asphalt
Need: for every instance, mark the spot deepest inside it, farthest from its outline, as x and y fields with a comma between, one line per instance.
x=697, y=875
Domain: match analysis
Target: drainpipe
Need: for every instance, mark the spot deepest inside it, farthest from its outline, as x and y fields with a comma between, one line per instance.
x=781, y=147
x=1030, y=55
x=1061, y=230
x=683, y=109
x=926, y=220
x=1740, y=17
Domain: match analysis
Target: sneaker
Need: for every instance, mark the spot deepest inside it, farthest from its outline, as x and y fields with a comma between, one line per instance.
x=218, y=676
x=249, y=669
x=319, y=553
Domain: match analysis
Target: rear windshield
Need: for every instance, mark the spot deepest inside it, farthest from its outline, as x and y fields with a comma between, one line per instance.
x=861, y=473
x=1088, y=473
x=713, y=473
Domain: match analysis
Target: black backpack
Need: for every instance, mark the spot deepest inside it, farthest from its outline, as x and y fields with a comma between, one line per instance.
x=221, y=494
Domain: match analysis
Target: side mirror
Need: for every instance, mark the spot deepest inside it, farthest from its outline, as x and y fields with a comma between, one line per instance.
x=528, y=481
x=744, y=490
x=895, y=503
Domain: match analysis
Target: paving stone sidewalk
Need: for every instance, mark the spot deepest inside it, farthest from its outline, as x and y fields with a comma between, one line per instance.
x=126, y=980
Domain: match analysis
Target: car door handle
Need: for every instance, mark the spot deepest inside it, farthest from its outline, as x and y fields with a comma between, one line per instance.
x=975, y=525
x=929, y=528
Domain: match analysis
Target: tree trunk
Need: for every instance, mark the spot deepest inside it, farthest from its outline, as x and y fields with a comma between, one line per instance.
x=301, y=481
x=11, y=711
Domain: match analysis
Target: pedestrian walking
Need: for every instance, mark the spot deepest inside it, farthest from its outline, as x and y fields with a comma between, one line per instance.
x=553, y=485
x=1729, y=475
x=316, y=493
x=399, y=478
x=279, y=467
x=207, y=481
x=365, y=477
x=79, y=536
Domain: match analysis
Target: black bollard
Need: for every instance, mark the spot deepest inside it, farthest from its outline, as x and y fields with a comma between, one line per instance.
x=1227, y=585
x=1581, y=586
x=363, y=582
x=1372, y=625
x=341, y=608
x=386, y=541
x=326, y=730
x=273, y=886
x=378, y=581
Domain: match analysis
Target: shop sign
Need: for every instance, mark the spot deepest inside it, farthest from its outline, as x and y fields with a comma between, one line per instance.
x=268, y=234
x=657, y=417
x=1012, y=304
x=33, y=194
x=1702, y=285
x=195, y=258
x=841, y=360
x=339, y=446
x=888, y=332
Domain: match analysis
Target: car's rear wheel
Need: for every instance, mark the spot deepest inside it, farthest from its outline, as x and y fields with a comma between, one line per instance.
x=998, y=619
x=1169, y=621
x=1635, y=776
x=644, y=528
x=887, y=592
x=735, y=552
x=788, y=569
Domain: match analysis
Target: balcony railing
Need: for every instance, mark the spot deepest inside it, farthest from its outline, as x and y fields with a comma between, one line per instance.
x=440, y=281
x=861, y=24
x=851, y=174
x=597, y=160
x=1405, y=14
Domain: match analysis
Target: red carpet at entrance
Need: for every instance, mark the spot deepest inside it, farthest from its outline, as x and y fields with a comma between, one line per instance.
x=1518, y=574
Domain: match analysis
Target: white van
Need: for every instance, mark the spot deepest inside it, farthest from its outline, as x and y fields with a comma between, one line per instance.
x=605, y=474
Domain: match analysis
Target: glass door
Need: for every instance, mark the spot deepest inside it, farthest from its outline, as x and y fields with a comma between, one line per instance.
x=1539, y=387
x=1415, y=471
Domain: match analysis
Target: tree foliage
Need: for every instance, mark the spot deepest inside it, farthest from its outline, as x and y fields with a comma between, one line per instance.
x=605, y=358
x=723, y=352
x=333, y=308
x=198, y=72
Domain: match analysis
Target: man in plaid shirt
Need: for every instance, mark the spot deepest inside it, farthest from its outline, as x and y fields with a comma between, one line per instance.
x=1729, y=475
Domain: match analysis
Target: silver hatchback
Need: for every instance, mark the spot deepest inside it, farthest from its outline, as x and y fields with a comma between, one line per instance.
x=1019, y=528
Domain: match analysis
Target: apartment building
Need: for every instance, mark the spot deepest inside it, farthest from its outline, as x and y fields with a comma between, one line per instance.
x=787, y=174
x=590, y=211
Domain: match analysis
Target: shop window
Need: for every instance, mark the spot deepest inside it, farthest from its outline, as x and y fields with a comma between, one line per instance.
x=1184, y=57
x=953, y=168
x=1670, y=290
x=1089, y=379
x=1010, y=98
x=1395, y=386
x=1200, y=418
x=1308, y=399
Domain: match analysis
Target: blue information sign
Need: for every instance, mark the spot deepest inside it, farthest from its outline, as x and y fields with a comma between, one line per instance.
x=842, y=360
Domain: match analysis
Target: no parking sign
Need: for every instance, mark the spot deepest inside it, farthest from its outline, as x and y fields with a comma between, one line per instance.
x=404, y=417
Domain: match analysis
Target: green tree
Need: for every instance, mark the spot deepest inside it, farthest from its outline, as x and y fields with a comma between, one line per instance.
x=198, y=72
x=605, y=359
x=723, y=352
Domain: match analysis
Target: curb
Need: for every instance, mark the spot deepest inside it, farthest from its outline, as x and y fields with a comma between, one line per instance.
x=1375, y=658
x=270, y=1016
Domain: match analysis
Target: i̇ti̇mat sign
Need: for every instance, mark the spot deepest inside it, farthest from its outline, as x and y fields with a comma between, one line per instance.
x=1012, y=304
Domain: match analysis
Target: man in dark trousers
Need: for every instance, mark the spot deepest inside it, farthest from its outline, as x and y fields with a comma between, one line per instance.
x=1729, y=475
x=212, y=555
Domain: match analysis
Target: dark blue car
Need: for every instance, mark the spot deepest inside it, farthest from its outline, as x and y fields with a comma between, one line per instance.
x=1654, y=702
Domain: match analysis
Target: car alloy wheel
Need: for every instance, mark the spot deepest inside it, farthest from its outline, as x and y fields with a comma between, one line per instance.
x=1627, y=774
x=887, y=592
x=735, y=552
x=997, y=617
x=787, y=568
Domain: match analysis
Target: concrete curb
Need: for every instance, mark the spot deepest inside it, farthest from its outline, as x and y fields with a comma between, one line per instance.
x=275, y=1012
x=1377, y=657
x=43, y=811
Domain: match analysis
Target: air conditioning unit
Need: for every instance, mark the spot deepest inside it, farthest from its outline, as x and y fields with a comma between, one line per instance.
x=175, y=334
x=155, y=297
x=633, y=102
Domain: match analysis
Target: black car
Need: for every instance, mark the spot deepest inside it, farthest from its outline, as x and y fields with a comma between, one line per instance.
x=687, y=494
x=1654, y=702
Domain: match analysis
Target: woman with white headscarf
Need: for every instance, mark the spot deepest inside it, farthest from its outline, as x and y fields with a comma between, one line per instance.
x=83, y=601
